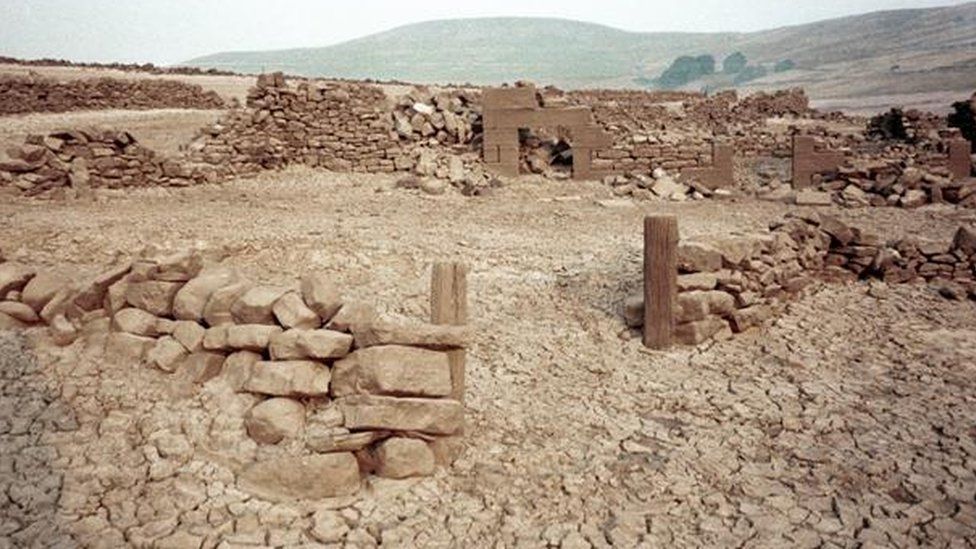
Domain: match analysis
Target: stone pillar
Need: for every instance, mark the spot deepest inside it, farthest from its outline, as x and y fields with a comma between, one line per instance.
x=660, y=279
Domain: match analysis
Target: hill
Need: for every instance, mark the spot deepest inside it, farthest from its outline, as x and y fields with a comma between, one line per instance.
x=893, y=52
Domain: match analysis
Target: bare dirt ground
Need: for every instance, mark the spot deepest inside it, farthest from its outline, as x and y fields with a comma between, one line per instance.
x=850, y=421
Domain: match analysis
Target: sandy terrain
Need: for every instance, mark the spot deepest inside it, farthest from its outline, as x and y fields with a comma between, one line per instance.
x=849, y=420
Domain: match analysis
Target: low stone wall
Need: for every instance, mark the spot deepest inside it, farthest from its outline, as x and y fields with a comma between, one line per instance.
x=75, y=161
x=354, y=392
x=729, y=285
x=24, y=94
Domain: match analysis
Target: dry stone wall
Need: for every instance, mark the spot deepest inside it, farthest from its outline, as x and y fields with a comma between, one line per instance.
x=76, y=161
x=731, y=284
x=347, y=391
x=31, y=93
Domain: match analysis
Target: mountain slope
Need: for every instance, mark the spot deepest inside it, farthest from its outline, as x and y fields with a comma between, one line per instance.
x=935, y=49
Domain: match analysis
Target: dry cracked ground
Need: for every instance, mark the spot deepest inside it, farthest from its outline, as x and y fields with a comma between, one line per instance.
x=850, y=421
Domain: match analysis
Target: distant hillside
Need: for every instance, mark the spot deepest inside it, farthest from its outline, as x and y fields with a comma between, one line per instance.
x=895, y=52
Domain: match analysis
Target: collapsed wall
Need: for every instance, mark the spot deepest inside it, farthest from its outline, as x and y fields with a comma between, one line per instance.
x=731, y=284
x=338, y=389
x=31, y=93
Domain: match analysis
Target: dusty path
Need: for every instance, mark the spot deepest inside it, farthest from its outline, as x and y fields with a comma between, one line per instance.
x=850, y=420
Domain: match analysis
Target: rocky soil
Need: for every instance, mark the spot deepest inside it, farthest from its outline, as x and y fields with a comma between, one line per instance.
x=850, y=421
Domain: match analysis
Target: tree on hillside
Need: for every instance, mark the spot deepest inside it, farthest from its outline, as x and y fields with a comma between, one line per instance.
x=784, y=65
x=686, y=69
x=964, y=118
x=751, y=72
x=735, y=63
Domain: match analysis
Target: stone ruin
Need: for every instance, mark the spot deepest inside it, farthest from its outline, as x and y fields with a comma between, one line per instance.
x=728, y=285
x=507, y=110
x=646, y=145
x=344, y=391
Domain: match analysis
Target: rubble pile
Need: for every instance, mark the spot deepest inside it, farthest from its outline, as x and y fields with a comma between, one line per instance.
x=75, y=161
x=447, y=117
x=32, y=93
x=343, y=391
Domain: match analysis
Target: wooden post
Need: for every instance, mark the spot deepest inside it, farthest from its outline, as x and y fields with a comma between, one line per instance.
x=449, y=305
x=660, y=279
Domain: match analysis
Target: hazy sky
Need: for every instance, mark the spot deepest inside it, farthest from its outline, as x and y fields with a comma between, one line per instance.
x=169, y=31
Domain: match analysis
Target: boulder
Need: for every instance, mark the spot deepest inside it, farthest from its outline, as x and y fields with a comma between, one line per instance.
x=126, y=348
x=166, y=354
x=392, y=370
x=178, y=267
x=14, y=276
x=321, y=295
x=256, y=305
x=811, y=197
x=743, y=319
x=292, y=312
x=201, y=366
x=417, y=334
x=842, y=233
x=189, y=334
x=63, y=332
x=154, y=296
x=215, y=339
x=302, y=478
x=433, y=186
x=191, y=301
x=41, y=288
x=314, y=344
x=695, y=257
x=403, y=458
x=275, y=419
x=913, y=198
x=432, y=416
x=634, y=311
x=250, y=337
x=8, y=322
x=217, y=312
x=697, y=281
x=693, y=333
x=323, y=439
x=965, y=240
x=237, y=368
x=20, y=311
x=90, y=295
x=352, y=313
x=292, y=378
x=136, y=321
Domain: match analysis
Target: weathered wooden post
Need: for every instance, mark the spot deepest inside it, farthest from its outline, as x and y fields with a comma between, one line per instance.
x=660, y=279
x=449, y=305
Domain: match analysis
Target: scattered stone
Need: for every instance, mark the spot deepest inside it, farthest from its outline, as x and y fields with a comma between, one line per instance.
x=433, y=186
x=810, y=197
x=237, y=368
x=136, y=321
x=63, y=332
x=201, y=366
x=696, y=257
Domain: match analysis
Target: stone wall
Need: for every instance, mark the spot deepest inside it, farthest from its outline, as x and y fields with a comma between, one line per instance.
x=731, y=284
x=31, y=93
x=346, y=391
x=75, y=161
